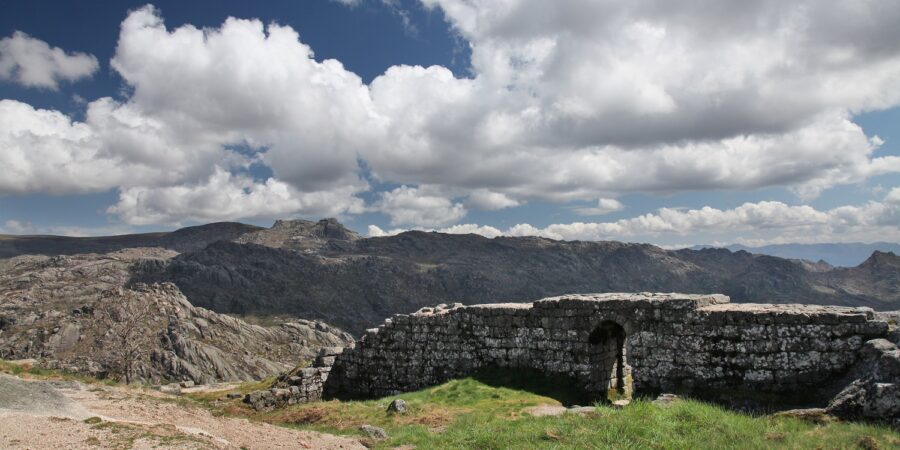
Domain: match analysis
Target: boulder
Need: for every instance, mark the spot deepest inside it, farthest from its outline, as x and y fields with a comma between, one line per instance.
x=397, y=406
x=171, y=388
x=582, y=410
x=666, y=399
x=875, y=395
x=373, y=431
x=867, y=399
x=260, y=400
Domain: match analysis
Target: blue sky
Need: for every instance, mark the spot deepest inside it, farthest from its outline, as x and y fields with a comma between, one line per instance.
x=582, y=120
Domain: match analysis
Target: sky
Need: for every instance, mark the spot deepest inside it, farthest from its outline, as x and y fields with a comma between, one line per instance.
x=673, y=122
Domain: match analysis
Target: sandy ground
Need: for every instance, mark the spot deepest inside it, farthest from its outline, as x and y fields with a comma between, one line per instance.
x=56, y=415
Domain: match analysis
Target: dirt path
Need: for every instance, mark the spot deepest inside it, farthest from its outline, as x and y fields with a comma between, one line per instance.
x=54, y=415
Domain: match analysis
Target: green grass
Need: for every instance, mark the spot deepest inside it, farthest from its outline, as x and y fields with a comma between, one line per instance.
x=483, y=413
x=487, y=411
x=31, y=371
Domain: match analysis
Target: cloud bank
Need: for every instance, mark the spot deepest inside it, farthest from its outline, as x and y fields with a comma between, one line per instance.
x=574, y=101
x=876, y=220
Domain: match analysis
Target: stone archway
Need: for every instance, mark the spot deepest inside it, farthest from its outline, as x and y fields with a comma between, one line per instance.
x=610, y=372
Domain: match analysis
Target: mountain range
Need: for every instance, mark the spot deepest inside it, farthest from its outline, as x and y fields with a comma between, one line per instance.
x=320, y=270
x=848, y=254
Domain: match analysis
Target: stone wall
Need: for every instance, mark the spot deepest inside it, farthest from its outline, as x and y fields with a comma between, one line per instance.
x=301, y=385
x=659, y=342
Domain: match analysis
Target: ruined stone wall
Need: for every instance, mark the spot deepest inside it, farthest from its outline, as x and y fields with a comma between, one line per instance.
x=672, y=343
x=301, y=385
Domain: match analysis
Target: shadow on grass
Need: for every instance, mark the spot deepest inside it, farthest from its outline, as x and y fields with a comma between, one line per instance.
x=563, y=389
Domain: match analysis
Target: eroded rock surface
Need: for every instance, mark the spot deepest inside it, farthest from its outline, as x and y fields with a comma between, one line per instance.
x=875, y=391
x=51, y=310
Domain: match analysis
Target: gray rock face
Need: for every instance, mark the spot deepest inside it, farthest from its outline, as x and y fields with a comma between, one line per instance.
x=875, y=393
x=321, y=270
x=303, y=235
x=867, y=399
x=355, y=283
x=676, y=343
x=51, y=310
x=300, y=385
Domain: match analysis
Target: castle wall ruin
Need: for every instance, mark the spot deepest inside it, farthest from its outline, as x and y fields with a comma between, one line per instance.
x=660, y=342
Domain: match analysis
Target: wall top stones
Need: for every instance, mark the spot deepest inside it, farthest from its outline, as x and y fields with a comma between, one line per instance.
x=712, y=305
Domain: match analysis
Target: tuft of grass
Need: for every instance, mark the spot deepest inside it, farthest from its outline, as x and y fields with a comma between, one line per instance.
x=28, y=370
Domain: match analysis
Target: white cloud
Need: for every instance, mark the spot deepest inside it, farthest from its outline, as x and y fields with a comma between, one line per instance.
x=376, y=231
x=32, y=62
x=604, y=206
x=225, y=197
x=13, y=226
x=18, y=227
x=410, y=206
x=465, y=228
x=116, y=146
x=490, y=201
x=469, y=228
x=760, y=223
x=574, y=101
x=247, y=83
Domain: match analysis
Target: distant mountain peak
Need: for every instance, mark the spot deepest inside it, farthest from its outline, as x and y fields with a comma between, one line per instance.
x=882, y=259
x=300, y=234
x=838, y=254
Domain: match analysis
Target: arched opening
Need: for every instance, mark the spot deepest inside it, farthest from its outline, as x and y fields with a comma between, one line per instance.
x=610, y=372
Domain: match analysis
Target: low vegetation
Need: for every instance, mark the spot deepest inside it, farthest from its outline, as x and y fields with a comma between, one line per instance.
x=28, y=370
x=490, y=412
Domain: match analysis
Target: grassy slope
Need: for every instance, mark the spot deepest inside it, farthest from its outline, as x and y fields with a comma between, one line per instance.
x=487, y=412
x=480, y=413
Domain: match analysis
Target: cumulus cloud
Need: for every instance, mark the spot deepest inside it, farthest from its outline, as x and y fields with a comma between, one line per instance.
x=490, y=201
x=225, y=196
x=248, y=83
x=412, y=206
x=573, y=100
x=775, y=222
x=465, y=228
x=116, y=146
x=194, y=95
x=32, y=62
x=582, y=100
x=604, y=206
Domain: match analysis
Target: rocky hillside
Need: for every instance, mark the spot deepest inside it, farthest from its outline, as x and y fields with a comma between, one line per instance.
x=184, y=239
x=323, y=271
x=303, y=235
x=354, y=283
x=58, y=309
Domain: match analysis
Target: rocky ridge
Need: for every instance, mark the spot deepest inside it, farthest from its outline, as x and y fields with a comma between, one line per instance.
x=354, y=283
x=51, y=310
x=321, y=270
